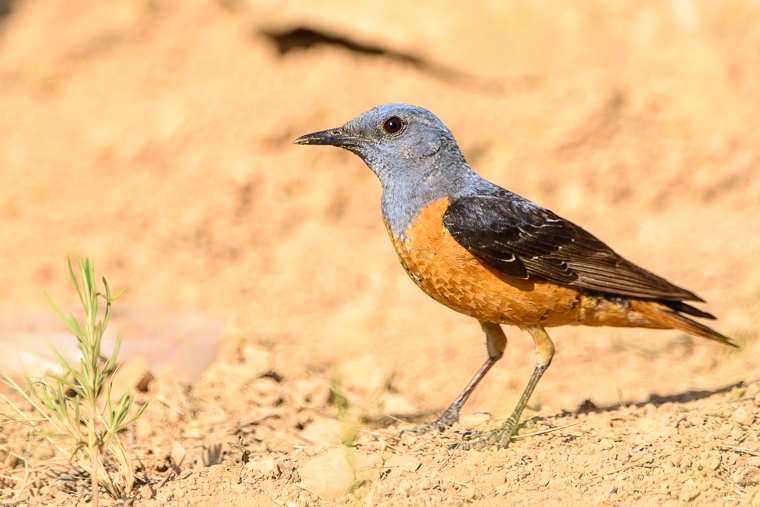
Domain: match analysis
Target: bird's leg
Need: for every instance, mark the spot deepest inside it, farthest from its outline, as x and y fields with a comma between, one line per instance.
x=502, y=435
x=496, y=342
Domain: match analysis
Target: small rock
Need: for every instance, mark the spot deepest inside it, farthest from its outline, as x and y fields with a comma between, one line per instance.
x=257, y=358
x=743, y=415
x=367, y=467
x=323, y=432
x=267, y=467
x=468, y=493
x=667, y=431
x=132, y=374
x=688, y=494
x=606, y=443
x=143, y=429
x=494, y=480
x=655, y=428
x=330, y=476
x=217, y=470
x=177, y=453
x=383, y=490
x=146, y=492
x=750, y=476
x=286, y=468
x=235, y=376
x=398, y=464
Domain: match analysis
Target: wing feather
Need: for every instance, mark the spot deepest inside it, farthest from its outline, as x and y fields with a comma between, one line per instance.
x=521, y=239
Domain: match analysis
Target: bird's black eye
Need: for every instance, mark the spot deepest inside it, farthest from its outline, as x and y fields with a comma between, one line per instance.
x=392, y=125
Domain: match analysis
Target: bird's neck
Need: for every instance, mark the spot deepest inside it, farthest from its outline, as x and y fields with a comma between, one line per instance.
x=404, y=199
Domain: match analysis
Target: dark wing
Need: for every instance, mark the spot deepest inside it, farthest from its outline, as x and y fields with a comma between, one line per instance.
x=521, y=239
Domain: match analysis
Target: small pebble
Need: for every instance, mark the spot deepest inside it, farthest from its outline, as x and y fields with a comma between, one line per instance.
x=743, y=415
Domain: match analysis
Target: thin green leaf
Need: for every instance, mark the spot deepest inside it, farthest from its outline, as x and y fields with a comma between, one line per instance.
x=133, y=418
x=74, y=279
x=59, y=312
x=126, y=399
x=74, y=326
x=62, y=360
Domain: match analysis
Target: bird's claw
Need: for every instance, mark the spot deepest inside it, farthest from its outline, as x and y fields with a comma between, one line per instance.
x=440, y=425
x=472, y=435
x=421, y=430
x=478, y=440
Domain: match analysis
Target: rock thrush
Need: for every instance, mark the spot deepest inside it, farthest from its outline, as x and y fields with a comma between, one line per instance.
x=488, y=253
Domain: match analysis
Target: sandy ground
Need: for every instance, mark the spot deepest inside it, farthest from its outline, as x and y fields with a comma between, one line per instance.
x=156, y=136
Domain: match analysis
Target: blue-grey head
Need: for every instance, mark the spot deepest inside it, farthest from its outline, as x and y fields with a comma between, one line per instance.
x=413, y=154
x=399, y=142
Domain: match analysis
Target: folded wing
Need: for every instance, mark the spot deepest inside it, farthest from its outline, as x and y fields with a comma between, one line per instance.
x=521, y=239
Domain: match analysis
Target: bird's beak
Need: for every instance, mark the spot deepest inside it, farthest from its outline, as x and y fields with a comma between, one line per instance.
x=332, y=137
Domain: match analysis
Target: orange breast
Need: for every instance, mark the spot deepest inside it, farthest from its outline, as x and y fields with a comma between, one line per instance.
x=448, y=273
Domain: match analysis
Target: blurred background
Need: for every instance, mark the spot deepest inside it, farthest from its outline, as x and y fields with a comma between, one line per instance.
x=155, y=136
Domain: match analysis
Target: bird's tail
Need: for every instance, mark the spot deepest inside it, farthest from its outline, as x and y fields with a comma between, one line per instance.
x=668, y=317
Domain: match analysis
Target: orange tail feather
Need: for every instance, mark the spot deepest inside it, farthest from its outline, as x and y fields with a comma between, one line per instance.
x=661, y=314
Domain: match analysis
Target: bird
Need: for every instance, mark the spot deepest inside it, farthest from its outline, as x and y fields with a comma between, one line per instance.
x=493, y=255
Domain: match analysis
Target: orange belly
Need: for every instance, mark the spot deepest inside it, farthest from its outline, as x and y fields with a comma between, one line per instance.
x=448, y=273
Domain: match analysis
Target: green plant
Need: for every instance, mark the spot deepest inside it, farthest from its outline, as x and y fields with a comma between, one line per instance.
x=348, y=429
x=65, y=405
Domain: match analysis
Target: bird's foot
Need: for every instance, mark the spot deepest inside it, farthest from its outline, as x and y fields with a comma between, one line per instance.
x=447, y=419
x=478, y=440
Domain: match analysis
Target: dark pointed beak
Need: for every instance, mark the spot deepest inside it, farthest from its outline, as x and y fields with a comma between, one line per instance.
x=332, y=137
